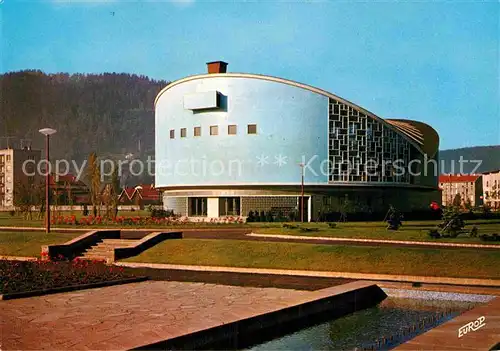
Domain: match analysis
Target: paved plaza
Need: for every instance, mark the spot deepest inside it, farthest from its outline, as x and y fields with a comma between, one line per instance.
x=132, y=315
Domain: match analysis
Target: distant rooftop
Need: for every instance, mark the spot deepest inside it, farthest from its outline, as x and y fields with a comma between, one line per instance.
x=458, y=178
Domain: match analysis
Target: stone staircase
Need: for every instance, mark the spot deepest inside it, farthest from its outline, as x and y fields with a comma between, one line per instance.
x=103, y=250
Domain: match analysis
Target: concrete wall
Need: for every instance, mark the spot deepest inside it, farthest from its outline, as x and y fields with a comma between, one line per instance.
x=290, y=121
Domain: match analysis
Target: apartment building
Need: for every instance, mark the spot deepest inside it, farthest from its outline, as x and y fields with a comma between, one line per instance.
x=469, y=187
x=12, y=172
x=491, y=189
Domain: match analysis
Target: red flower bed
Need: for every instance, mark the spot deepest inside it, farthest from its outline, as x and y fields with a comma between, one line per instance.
x=140, y=221
x=22, y=276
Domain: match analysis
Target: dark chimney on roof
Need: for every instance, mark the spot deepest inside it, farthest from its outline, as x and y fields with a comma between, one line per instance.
x=216, y=67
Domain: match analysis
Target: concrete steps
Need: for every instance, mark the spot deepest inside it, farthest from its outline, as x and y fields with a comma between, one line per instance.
x=104, y=250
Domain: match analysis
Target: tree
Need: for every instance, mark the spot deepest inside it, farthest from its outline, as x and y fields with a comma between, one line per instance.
x=96, y=111
x=110, y=194
x=457, y=201
x=27, y=196
x=468, y=205
x=346, y=208
x=394, y=219
x=452, y=223
x=69, y=195
x=94, y=179
x=115, y=190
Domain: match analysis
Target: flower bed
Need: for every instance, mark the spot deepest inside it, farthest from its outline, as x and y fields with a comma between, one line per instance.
x=140, y=221
x=26, y=276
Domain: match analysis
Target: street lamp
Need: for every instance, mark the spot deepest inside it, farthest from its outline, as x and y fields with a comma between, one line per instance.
x=47, y=132
x=302, y=192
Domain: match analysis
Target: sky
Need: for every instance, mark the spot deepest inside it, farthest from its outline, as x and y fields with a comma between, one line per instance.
x=437, y=62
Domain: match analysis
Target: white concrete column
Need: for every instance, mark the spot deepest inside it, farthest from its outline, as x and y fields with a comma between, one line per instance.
x=309, y=210
x=213, y=207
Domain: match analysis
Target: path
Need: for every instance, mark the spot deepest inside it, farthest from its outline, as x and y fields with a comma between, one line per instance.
x=133, y=315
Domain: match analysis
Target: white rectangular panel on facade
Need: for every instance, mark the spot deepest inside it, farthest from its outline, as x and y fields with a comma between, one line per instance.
x=201, y=101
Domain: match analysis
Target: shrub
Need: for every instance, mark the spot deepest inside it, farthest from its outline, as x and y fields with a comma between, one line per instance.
x=332, y=224
x=289, y=226
x=12, y=213
x=473, y=232
x=35, y=275
x=269, y=216
x=161, y=213
x=492, y=237
x=452, y=222
x=262, y=216
x=434, y=233
x=394, y=219
x=280, y=217
x=251, y=217
x=307, y=229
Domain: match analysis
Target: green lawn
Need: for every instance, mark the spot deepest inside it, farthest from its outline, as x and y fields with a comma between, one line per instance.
x=29, y=244
x=359, y=259
x=413, y=231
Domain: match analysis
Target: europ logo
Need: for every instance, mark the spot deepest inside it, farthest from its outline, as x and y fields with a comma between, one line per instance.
x=471, y=326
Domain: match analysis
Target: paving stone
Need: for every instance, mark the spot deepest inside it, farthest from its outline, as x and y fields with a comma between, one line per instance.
x=132, y=315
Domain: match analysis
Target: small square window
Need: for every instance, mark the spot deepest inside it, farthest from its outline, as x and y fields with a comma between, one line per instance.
x=197, y=131
x=231, y=129
x=214, y=130
x=172, y=133
x=252, y=129
x=183, y=132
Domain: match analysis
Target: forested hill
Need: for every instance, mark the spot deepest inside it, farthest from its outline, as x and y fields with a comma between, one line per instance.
x=108, y=113
x=488, y=155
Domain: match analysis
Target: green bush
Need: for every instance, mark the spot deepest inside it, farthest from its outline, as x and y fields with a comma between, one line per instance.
x=473, y=232
x=251, y=217
x=452, y=222
x=307, y=229
x=434, y=233
x=262, y=216
x=269, y=216
x=332, y=224
x=492, y=237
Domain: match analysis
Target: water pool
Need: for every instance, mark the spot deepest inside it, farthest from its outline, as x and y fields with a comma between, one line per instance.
x=392, y=322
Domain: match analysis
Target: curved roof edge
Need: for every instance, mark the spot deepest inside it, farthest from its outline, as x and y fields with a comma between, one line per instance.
x=412, y=140
x=421, y=132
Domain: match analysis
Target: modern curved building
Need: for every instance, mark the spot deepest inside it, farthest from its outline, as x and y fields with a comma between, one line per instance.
x=231, y=143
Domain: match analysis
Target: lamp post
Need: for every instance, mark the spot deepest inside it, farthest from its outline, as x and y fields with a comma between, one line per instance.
x=47, y=132
x=302, y=192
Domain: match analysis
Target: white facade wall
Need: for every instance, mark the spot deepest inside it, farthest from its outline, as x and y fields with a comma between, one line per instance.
x=291, y=123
